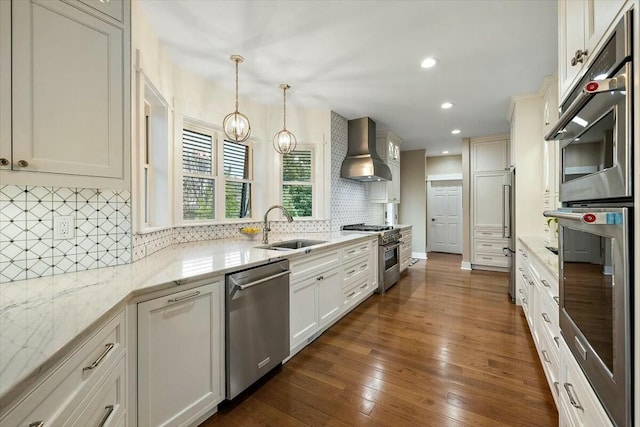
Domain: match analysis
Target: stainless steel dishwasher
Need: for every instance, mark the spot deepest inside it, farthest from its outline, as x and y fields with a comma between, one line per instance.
x=257, y=324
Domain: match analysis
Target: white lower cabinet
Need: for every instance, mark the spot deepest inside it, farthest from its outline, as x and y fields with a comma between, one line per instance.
x=77, y=384
x=405, y=249
x=577, y=403
x=181, y=355
x=325, y=286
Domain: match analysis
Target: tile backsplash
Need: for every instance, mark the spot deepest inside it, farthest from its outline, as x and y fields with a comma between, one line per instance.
x=101, y=230
x=349, y=198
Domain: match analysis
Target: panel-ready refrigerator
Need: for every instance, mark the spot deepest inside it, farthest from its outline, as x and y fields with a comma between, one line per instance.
x=509, y=226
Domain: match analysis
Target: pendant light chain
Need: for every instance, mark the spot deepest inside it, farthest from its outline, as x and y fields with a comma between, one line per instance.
x=284, y=106
x=237, y=61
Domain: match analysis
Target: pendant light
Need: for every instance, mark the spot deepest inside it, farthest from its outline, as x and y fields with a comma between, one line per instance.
x=236, y=125
x=284, y=142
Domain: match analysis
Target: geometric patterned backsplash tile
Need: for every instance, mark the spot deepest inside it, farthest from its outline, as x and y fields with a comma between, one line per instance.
x=349, y=198
x=102, y=234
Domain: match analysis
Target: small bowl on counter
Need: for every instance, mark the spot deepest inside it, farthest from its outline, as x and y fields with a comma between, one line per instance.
x=250, y=232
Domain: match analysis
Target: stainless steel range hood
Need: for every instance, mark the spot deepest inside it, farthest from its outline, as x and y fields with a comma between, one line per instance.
x=362, y=162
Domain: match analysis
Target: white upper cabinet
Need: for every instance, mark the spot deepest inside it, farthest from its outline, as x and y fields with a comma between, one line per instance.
x=490, y=155
x=69, y=107
x=582, y=27
x=388, y=147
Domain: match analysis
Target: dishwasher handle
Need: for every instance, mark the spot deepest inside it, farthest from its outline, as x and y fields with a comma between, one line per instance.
x=257, y=282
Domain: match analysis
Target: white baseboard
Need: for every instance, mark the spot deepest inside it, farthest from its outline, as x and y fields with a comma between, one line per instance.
x=419, y=255
x=465, y=265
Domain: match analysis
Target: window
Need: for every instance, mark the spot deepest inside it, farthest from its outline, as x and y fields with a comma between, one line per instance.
x=198, y=171
x=297, y=183
x=237, y=188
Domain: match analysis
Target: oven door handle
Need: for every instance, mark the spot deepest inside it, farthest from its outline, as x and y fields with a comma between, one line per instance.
x=563, y=215
x=591, y=89
x=391, y=247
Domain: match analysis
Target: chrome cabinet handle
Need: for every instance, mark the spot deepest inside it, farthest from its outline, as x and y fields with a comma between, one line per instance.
x=557, y=340
x=193, y=295
x=351, y=251
x=545, y=355
x=524, y=300
x=37, y=424
x=107, y=349
x=351, y=294
x=545, y=283
x=5, y=162
x=574, y=402
x=351, y=272
x=364, y=286
x=22, y=163
x=363, y=266
x=557, y=299
x=107, y=414
x=545, y=316
x=556, y=384
x=322, y=277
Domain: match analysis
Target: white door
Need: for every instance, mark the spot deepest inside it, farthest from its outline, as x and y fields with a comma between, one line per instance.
x=445, y=216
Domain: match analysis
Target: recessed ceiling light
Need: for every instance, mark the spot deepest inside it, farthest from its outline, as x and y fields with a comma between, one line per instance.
x=446, y=105
x=445, y=152
x=455, y=131
x=429, y=62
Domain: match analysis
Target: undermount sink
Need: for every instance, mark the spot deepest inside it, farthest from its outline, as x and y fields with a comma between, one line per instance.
x=290, y=245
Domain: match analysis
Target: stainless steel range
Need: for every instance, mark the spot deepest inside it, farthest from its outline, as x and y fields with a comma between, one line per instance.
x=388, y=252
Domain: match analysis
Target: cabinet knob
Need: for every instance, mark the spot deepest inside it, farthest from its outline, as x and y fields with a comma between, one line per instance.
x=4, y=162
x=22, y=163
x=579, y=57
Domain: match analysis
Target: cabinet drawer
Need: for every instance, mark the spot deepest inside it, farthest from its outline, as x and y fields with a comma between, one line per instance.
x=310, y=265
x=355, y=292
x=355, y=251
x=490, y=246
x=107, y=406
x=354, y=270
x=60, y=394
x=584, y=408
x=488, y=233
x=491, y=259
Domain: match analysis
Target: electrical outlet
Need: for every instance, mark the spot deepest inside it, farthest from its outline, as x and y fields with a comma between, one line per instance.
x=63, y=227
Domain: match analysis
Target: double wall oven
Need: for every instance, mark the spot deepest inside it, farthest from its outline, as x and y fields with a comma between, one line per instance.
x=596, y=222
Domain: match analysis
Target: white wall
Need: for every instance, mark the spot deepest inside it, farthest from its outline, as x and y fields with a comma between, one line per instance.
x=413, y=197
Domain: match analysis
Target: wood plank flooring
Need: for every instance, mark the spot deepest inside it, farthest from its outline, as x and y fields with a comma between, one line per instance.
x=444, y=347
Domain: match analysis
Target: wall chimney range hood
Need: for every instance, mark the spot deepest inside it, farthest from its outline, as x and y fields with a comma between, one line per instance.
x=362, y=162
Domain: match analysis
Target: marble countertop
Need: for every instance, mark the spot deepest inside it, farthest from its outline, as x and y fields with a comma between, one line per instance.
x=42, y=319
x=536, y=246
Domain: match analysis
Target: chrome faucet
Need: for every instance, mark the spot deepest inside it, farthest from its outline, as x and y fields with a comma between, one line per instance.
x=265, y=227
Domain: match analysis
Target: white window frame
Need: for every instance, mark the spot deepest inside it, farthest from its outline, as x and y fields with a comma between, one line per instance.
x=196, y=126
x=314, y=187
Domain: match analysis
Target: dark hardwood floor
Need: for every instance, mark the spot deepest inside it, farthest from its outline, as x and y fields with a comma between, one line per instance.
x=444, y=347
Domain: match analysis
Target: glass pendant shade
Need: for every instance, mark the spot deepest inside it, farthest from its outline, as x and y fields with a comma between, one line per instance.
x=284, y=142
x=236, y=125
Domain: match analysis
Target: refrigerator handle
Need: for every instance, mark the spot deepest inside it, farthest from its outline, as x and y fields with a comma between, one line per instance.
x=506, y=215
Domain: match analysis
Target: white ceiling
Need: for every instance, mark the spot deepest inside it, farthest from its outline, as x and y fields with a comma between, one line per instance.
x=362, y=58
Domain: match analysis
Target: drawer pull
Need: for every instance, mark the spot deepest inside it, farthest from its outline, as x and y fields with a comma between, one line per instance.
x=520, y=269
x=107, y=349
x=350, y=272
x=351, y=251
x=524, y=300
x=351, y=294
x=5, y=162
x=37, y=424
x=545, y=316
x=524, y=255
x=545, y=355
x=193, y=295
x=363, y=266
x=322, y=277
x=568, y=387
x=557, y=340
x=545, y=283
x=556, y=299
x=486, y=257
x=364, y=286
x=107, y=414
x=531, y=283
x=556, y=384
x=485, y=244
x=486, y=234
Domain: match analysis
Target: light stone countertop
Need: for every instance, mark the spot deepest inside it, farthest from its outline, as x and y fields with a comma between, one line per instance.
x=536, y=246
x=42, y=319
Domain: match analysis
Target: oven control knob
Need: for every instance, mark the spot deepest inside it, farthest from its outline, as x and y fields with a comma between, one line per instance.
x=589, y=218
x=591, y=87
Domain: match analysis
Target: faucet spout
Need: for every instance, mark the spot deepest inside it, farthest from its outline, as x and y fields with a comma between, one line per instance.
x=265, y=227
